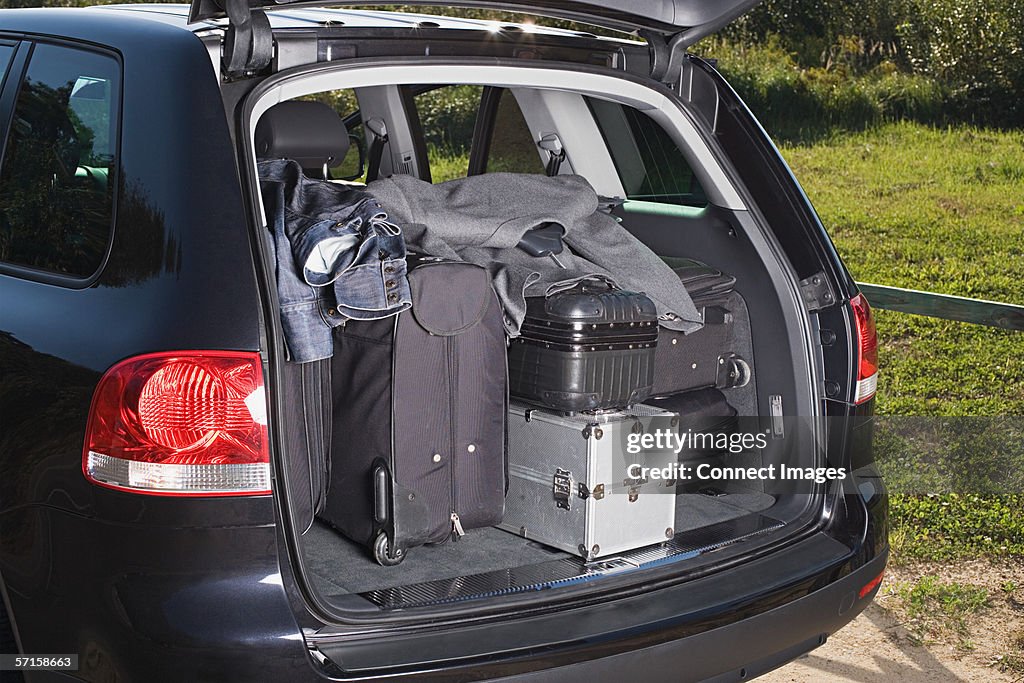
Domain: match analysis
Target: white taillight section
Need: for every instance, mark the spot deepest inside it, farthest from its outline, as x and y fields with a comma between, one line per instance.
x=180, y=424
x=866, y=362
x=866, y=388
x=169, y=479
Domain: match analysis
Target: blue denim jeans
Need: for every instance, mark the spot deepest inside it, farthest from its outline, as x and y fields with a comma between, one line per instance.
x=337, y=257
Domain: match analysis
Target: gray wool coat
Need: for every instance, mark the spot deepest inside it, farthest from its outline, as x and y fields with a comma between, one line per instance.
x=481, y=219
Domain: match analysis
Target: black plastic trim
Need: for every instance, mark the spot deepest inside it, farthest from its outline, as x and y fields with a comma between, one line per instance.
x=483, y=131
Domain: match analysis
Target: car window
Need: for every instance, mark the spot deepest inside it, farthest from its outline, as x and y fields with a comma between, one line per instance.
x=57, y=179
x=512, y=147
x=649, y=163
x=6, y=52
x=447, y=115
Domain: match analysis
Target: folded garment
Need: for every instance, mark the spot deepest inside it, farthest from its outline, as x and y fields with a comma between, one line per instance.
x=337, y=257
x=481, y=219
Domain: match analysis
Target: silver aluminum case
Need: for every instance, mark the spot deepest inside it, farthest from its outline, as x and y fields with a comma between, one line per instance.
x=592, y=448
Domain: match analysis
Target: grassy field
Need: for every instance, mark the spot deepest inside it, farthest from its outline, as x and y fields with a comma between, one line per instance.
x=936, y=210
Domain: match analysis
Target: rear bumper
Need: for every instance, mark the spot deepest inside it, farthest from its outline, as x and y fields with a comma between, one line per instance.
x=725, y=626
x=741, y=650
x=159, y=604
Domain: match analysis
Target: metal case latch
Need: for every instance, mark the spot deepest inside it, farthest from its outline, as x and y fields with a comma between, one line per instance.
x=562, y=488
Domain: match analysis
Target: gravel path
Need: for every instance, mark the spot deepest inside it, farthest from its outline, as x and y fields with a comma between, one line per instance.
x=877, y=647
x=871, y=649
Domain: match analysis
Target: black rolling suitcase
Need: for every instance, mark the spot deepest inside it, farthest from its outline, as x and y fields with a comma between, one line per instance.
x=419, y=411
x=703, y=411
x=707, y=357
x=585, y=349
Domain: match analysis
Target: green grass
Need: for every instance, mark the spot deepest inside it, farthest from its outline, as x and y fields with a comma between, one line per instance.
x=937, y=210
x=446, y=165
x=797, y=102
x=913, y=206
x=937, y=608
x=954, y=526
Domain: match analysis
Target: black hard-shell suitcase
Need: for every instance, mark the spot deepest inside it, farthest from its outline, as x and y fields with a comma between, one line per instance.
x=419, y=411
x=587, y=348
x=707, y=357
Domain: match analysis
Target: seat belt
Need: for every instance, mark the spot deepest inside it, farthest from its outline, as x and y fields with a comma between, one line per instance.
x=379, y=131
x=556, y=153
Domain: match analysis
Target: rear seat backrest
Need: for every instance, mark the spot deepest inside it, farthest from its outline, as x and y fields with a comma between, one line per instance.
x=310, y=133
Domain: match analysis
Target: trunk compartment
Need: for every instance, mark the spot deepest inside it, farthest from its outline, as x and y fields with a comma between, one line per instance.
x=719, y=517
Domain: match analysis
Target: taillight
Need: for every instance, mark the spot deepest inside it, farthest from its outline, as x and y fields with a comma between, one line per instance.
x=867, y=350
x=180, y=424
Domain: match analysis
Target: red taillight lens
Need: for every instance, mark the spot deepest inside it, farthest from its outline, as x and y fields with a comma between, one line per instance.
x=190, y=423
x=867, y=350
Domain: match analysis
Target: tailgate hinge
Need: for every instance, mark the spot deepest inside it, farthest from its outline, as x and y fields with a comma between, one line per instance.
x=248, y=40
x=817, y=292
x=667, y=54
x=672, y=66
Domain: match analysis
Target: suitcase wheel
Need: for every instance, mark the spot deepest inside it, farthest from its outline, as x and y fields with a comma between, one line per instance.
x=382, y=552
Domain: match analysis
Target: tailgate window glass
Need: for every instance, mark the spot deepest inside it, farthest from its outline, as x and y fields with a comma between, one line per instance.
x=57, y=179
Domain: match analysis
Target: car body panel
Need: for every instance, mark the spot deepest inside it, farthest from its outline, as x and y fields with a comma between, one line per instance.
x=666, y=16
x=179, y=276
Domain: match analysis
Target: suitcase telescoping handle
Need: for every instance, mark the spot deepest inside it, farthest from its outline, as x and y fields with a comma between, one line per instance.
x=386, y=548
x=381, y=494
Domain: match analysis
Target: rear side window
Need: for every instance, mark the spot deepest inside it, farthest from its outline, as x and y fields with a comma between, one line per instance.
x=57, y=179
x=649, y=163
x=447, y=115
x=512, y=147
x=6, y=52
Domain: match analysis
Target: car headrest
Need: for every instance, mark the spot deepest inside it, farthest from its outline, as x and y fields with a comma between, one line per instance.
x=311, y=133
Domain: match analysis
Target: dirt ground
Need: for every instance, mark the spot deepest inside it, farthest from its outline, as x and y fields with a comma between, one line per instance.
x=884, y=644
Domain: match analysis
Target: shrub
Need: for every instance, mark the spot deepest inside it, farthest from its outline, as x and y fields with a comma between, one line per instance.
x=976, y=48
x=795, y=102
x=972, y=49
